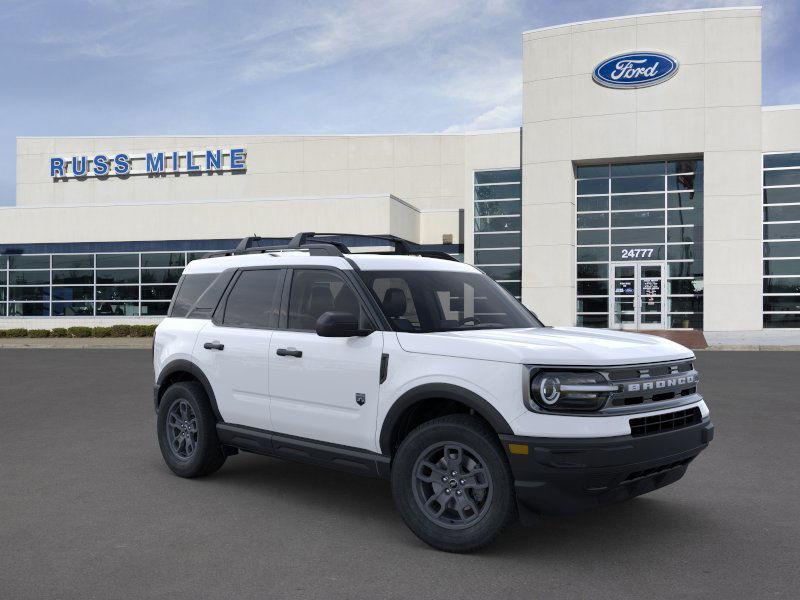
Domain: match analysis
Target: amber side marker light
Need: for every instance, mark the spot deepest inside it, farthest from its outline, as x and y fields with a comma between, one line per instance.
x=518, y=448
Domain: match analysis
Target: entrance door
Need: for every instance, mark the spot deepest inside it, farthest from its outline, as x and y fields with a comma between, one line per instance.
x=636, y=300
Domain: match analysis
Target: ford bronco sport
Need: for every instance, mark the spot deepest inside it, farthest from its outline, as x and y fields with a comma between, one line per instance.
x=411, y=366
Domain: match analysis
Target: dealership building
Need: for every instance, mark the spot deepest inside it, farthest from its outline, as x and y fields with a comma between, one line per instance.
x=646, y=188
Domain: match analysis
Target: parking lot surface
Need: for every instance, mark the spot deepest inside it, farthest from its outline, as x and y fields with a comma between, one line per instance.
x=88, y=509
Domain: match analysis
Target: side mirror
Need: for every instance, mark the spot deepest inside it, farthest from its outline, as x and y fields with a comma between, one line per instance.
x=339, y=324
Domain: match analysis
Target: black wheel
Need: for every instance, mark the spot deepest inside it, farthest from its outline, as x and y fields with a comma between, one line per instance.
x=452, y=483
x=187, y=432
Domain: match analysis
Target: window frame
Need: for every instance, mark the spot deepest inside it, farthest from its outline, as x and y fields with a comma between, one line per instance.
x=219, y=313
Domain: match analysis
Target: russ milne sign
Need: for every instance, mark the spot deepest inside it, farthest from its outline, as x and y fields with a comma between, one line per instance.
x=151, y=163
x=635, y=70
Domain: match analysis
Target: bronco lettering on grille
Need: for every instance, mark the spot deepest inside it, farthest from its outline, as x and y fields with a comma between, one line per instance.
x=658, y=384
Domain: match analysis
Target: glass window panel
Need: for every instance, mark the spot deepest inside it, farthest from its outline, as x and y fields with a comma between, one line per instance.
x=592, y=321
x=2, y=310
x=592, y=236
x=192, y=288
x=680, y=234
x=782, y=303
x=2, y=294
x=161, y=275
x=694, y=304
x=513, y=288
x=157, y=292
x=3, y=262
x=782, y=231
x=789, y=177
x=684, y=166
x=73, y=277
x=637, y=184
x=190, y=256
x=637, y=236
x=684, y=217
x=637, y=202
x=686, y=321
x=154, y=309
x=498, y=240
x=598, y=203
x=118, y=276
x=789, y=159
x=592, y=220
x=782, y=195
x=591, y=171
x=648, y=168
x=117, y=260
x=498, y=224
x=593, y=305
x=496, y=273
x=684, y=199
x=685, y=286
x=28, y=277
x=592, y=186
x=118, y=292
x=495, y=192
x=29, y=261
x=782, y=213
x=680, y=252
x=85, y=292
x=163, y=259
x=498, y=176
x=592, y=254
x=29, y=293
x=28, y=309
x=254, y=299
x=117, y=309
x=774, y=321
x=637, y=219
x=497, y=257
x=312, y=293
x=2, y=277
x=782, y=249
x=684, y=182
x=592, y=288
x=73, y=309
x=592, y=271
x=782, y=285
x=782, y=267
x=512, y=207
x=681, y=269
x=73, y=261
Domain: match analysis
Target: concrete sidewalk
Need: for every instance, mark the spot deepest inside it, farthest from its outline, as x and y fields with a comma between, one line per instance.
x=98, y=343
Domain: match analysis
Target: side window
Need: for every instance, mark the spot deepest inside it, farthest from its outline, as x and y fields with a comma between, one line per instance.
x=315, y=292
x=398, y=303
x=254, y=300
x=190, y=289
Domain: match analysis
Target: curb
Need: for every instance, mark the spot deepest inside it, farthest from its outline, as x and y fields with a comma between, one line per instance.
x=77, y=343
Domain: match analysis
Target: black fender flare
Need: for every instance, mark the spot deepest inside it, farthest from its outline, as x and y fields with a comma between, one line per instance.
x=445, y=391
x=182, y=365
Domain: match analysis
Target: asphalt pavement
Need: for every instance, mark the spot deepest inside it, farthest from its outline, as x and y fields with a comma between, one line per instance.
x=88, y=509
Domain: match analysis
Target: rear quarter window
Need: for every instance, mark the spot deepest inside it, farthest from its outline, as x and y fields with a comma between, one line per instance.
x=189, y=290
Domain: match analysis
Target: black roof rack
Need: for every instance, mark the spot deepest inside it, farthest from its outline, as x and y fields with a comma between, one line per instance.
x=317, y=245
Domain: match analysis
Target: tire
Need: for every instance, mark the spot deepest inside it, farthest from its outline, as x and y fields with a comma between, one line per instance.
x=479, y=505
x=199, y=453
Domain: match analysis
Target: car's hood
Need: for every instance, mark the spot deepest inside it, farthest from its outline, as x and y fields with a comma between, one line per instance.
x=547, y=346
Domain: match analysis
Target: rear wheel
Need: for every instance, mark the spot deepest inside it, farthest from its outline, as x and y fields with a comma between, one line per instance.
x=187, y=432
x=452, y=484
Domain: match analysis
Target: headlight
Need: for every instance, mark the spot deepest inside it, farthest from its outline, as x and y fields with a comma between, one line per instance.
x=570, y=391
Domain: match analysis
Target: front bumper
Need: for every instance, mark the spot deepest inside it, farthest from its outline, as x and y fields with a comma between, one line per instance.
x=565, y=475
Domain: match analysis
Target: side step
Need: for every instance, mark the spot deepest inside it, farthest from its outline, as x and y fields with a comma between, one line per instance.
x=332, y=456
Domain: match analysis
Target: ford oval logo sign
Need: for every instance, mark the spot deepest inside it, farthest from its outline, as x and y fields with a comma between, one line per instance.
x=635, y=70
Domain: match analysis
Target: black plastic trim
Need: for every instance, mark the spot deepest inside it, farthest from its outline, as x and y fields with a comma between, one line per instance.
x=384, y=373
x=342, y=458
x=445, y=391
x=181, y=365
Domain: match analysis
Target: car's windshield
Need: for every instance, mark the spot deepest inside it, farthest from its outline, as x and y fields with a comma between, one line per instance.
x=428, y=301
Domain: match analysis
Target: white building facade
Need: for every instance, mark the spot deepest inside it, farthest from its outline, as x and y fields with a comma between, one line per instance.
x=647, y=188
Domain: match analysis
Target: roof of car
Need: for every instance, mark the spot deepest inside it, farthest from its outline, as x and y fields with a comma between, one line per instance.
x=366, y=262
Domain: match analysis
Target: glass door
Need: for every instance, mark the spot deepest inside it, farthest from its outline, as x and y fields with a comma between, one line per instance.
x=637, y=300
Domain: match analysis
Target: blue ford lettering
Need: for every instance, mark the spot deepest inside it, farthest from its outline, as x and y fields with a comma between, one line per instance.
x=635, y=70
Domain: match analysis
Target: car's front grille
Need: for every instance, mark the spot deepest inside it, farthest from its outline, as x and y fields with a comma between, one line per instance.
x=645, y=384
x=665, y=422
x=637, y=475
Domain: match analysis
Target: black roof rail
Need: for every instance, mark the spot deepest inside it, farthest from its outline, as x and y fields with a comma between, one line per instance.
x=317, y=246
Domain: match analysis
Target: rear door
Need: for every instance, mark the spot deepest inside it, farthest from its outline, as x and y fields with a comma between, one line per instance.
x=232, y=349
x=324, y=388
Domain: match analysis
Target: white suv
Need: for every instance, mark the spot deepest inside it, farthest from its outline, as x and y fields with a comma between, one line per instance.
x=421, y=370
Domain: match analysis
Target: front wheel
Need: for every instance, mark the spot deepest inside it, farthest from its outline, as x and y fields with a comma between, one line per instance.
x=452, y=483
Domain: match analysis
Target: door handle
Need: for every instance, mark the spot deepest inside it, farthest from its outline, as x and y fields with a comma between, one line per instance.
x=215, y=345
x=289, y=352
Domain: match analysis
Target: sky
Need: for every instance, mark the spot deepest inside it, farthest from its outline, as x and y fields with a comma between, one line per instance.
x=174, y=67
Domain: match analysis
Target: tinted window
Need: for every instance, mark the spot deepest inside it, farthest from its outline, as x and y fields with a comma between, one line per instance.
x=254, y=299
x=190, y=289
x=316, y=292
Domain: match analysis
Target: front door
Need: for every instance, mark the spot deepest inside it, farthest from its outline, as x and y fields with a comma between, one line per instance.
x=636, y=299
